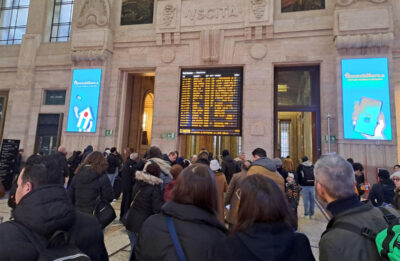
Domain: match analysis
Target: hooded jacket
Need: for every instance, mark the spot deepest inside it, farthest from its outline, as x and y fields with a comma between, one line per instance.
x=263, y=241
x=45, y=210
x=86, y=152
x=86, y=187
x=197, y=229
x=266, y=167
x=165, y=169
x=228, y=167
x=147, y=200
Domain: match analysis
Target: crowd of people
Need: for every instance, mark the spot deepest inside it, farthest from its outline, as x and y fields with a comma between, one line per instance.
x=203, y=209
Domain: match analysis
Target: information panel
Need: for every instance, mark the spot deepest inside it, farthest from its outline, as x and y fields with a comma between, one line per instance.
x=366, y=99
x=8, y=161
x=211, y=102
x=84, y=101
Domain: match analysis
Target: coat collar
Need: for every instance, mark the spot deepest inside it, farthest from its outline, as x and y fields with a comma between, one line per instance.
x=147, y=178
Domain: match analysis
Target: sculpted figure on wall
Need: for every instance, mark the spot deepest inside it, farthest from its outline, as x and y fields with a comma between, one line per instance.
x=258, y=7
x=349, y=2
x=94, y=12
x=137, y=12
x=168, y=14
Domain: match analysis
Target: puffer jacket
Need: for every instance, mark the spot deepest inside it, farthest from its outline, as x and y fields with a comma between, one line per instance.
x=86, y=187
x=267, y=167
x=147, y=200
x=263, y=241
x=43, y=211
x=197, y=229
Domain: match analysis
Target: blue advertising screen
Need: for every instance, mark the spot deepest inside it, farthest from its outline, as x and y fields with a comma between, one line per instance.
x=366, y=99
x=84, y=102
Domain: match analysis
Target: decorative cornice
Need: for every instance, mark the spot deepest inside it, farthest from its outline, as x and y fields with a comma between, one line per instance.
x=364, y=40
x=95, y=12
x=349, y=2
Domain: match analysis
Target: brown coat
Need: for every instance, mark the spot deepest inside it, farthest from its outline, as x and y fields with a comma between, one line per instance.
x=275, y=176
x=222, y=186
x=231, y=198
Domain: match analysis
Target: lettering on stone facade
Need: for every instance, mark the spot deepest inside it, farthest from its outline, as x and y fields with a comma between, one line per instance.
x=94, y=12
x=213, y=13
x=349, y=2
x=258, y=8
x=168, y=14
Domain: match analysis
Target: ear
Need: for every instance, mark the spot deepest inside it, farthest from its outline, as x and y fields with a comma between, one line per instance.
x=27, y=188
x=320, y=190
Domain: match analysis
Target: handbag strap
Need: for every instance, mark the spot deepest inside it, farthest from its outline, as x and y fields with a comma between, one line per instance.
x=175, y=240
x=134, y=198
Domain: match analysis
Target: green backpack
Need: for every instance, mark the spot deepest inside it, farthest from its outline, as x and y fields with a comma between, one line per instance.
x=387, y=241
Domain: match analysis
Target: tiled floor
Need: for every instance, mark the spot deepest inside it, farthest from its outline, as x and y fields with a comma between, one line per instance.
x=117, y=241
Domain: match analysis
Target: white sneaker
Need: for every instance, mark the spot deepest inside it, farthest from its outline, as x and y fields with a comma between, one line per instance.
x=311, y=217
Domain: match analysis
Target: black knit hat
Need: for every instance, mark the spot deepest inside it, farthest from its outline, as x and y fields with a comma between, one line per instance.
x=383, y=174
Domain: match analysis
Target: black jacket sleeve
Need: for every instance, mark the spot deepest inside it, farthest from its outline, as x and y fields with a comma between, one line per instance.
x=157, y=199
x=71, y=191
x=106, y=190
x=376, y=195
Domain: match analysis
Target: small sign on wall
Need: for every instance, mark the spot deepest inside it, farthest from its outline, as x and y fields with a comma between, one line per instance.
x=109, y=133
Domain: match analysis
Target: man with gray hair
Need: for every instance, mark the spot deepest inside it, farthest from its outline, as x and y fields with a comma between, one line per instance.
x=353, y=224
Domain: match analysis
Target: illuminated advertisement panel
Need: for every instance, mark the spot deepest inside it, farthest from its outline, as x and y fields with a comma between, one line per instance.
x=366, y=99
x=84, y=101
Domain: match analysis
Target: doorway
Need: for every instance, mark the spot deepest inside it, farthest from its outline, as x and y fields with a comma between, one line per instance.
x=48, y=133
x=297, y=113
x=139, y=108
x=192, y=144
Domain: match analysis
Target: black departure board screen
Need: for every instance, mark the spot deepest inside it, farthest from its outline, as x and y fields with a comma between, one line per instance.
x=211, y=102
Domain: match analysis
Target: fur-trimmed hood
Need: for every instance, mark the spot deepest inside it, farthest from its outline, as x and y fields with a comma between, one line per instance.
x=147, y=178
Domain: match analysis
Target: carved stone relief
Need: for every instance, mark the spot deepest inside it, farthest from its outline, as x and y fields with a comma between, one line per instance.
x=168, y=14
x=168, y=55
x=364, y=40
x=349, y=2
x=258, y=8
x=211, y=41
x=95, y=12
x=258, y=51
x=89, y=55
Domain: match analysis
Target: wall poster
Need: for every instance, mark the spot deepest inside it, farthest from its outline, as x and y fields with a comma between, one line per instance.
x=366, y=99
x=84, y=100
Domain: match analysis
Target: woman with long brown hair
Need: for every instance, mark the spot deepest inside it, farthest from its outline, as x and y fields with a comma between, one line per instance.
x=191, y=214
x=90, y=182
x=264, y=228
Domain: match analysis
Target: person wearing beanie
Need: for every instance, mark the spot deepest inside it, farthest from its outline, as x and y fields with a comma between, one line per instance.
x=279, y=168
x=382, y=193
x=396, y=180
x=222, y=187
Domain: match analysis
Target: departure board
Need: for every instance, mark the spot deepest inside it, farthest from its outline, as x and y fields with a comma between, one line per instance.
x=211, y=102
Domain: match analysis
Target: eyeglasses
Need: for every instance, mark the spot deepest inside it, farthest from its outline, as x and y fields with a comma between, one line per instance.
x=396, y=179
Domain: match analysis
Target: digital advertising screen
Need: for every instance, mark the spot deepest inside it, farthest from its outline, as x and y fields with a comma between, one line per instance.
x=366, y=99
x=84, y=100
x=211, y=102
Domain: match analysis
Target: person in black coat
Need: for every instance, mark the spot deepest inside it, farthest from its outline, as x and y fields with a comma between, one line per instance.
x=382, y=193
x=44, y=208
x=193, y=210
x=128, y=180
x=264, y=229
x=228, y=165
x=147, y=200
x=90, y=183
x=73, y=163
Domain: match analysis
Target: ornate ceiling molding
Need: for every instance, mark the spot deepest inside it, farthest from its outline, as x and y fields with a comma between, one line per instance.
x=95, y=12
x=344, y=3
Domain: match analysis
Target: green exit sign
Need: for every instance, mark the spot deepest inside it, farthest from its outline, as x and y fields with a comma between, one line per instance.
x=109, y=132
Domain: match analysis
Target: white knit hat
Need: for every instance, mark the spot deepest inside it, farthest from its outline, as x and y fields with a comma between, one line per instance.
x=214, y=165
x=396, y=174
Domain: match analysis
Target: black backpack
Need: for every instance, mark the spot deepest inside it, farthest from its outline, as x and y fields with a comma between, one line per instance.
x=307, y=174
x=58, y=247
